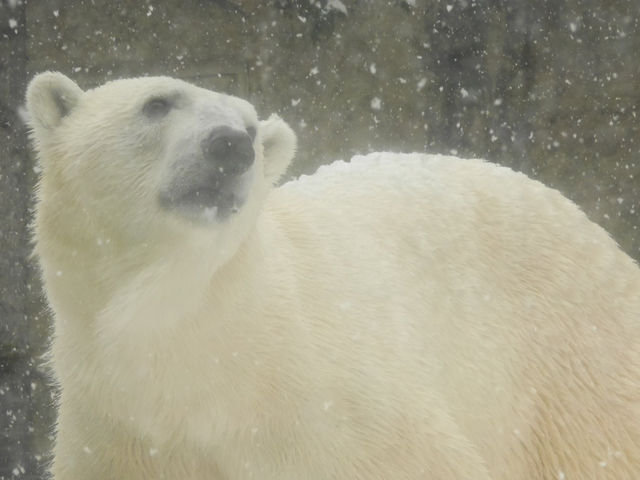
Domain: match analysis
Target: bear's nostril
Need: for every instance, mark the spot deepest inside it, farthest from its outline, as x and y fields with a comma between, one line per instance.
x=230, y=150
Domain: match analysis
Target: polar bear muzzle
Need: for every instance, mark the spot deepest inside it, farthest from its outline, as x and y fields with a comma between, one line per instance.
x=215, y=183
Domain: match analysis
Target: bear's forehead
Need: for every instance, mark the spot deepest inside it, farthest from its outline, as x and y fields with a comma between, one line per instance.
x=130, y=94
x=146, y=86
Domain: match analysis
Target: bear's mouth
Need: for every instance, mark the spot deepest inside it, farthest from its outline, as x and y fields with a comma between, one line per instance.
x=213, y=203
x=216, y=198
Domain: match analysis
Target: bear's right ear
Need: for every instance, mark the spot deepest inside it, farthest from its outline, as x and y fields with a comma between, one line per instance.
x=50, y=97
x=279, y=143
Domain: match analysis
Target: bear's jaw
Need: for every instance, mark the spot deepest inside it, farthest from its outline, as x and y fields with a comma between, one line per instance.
x=209, y=199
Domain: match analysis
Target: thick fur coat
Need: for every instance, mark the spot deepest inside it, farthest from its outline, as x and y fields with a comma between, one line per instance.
x=401, y=316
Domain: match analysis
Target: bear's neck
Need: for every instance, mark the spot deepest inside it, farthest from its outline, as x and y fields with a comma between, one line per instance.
x=128, y=289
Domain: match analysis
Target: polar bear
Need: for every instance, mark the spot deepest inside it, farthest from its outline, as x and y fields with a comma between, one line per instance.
x=399, y=316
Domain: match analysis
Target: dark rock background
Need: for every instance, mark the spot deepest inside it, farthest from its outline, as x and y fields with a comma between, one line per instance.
x=547, y=87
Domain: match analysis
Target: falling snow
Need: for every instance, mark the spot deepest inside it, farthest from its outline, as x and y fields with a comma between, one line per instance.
x=337, y=5
x=549, y=94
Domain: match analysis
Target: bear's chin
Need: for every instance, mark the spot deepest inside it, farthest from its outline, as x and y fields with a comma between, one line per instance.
x=219, y=210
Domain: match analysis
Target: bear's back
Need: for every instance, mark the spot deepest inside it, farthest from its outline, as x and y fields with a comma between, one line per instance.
x=531, y=311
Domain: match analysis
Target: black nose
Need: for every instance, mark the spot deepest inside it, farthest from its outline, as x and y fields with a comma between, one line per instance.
x=231, y=150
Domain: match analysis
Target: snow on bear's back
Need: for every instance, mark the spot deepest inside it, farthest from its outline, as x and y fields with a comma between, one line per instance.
x=388, y=170
x=402, y=173
x=440, y=190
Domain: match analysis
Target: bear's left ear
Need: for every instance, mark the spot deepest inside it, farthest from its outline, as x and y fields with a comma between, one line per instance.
x=279, y=143
x=50, y=97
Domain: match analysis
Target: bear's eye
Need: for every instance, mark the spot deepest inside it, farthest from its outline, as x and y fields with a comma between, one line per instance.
x=157, y=107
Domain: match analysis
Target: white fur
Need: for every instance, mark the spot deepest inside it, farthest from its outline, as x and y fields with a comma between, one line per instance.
x=395, y=317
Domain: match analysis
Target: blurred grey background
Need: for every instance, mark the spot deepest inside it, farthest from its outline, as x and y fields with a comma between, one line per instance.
x=547, y=87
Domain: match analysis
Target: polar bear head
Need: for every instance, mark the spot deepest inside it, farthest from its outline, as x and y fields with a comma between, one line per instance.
x=148, y=156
